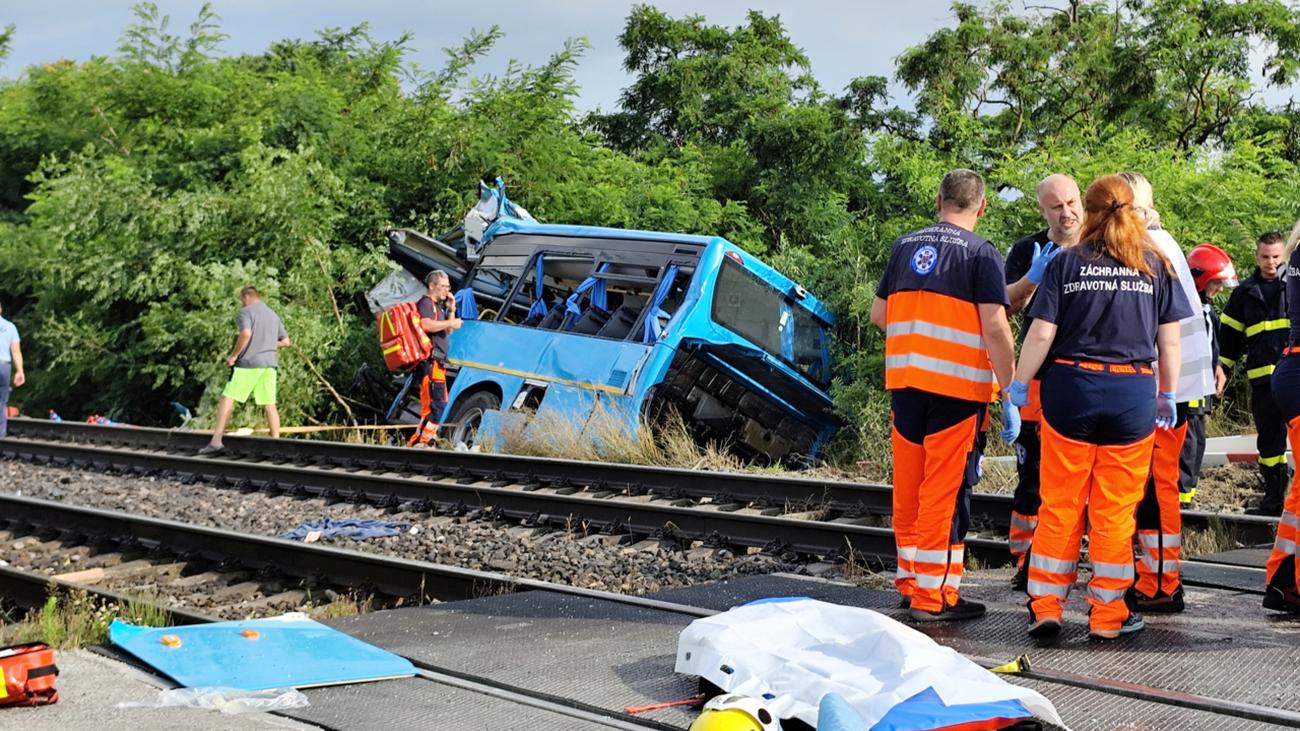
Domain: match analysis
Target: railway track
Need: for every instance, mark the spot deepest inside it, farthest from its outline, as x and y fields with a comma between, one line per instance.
x=811, y=516
x=422, y=581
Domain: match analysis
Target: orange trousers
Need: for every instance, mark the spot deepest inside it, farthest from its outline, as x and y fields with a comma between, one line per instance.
x=1105, y=483
x=1159, y=517
x=931, y=481
x=433, y=399
x=1025, y=501
x=1283, y=571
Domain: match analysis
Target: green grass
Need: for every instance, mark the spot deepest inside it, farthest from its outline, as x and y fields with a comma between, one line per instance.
x=70, y=620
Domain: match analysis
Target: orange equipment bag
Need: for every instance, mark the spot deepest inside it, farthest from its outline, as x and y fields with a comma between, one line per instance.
x=29, y=672
x=402, y=339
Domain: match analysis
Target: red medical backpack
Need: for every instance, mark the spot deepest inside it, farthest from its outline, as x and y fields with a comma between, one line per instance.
x=402, y=339
x=29, y=672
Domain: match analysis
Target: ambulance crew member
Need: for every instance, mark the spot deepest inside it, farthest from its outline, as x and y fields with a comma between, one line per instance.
x=1253, y=329
x=1106, y=309
x=1061, y=204
x=942, y=303
x=1212, y=271
x=1283, y=573
x=1159, y=518
x=436, y=307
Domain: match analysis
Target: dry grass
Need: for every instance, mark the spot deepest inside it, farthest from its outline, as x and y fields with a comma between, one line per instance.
x=70, y=620
x=1216, y=539
x=606, y=437
x=349, y=605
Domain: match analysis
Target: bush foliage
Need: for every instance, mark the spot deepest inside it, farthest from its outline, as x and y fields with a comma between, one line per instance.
x=140, y=191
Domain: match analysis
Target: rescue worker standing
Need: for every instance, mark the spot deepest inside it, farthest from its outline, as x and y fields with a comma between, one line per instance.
x=1061, y=204
x=1159, y=516
x=11, y=368
x=435, y=307
x=942, y=303
x=1253, y=329
x=1283, y=572
x=1212, y=271
x=1106, y=309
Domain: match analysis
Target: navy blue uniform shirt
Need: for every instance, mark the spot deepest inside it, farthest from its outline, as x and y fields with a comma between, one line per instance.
x=1292, y=278
x=1105, y=311
x=945, y=259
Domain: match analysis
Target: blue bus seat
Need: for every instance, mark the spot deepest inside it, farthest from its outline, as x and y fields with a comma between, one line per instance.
x=591, y=321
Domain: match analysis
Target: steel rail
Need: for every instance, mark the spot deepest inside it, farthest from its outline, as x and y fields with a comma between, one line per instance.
x=740, y=528
x=846, y=498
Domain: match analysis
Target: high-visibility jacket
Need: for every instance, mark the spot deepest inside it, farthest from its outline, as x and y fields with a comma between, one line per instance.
x=934, y=338
x=1196, y=374
x=1254, y=329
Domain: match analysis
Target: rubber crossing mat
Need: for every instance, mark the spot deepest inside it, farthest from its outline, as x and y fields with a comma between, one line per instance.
x=1253, y=557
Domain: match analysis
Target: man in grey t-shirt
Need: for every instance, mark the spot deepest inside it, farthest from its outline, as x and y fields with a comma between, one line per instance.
x=261, y=335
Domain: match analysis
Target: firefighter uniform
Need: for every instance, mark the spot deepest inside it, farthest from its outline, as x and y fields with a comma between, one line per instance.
x=1099, y=409
x=1208, y=265
x=431, y=376
x=1025, y=501
x=941, y=381
x=1159, y=515
x=1253, y=329
x=1283, y=572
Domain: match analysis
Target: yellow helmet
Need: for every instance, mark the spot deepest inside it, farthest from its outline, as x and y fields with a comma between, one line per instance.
x=732, y=712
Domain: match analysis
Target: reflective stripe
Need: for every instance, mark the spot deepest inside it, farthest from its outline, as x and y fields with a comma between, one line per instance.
x=1017, y=521
x=1055, y=566
x=1266, y=325
x=931, y=330
x=1195, y=404
x=1260, y=371
x=1106, y=595
x=940, y=557
x=1171, y=565
x=1285, y=545
x=1290, y=519
x=1191, y=326
x=903, y=573
x=1020, y=546
x=929, y=581
x=942, y=367
x=1112, y=570
x=1273, y=461
x=1042, y=588
x=1152, y=540
x=1226, y=362
x=1232, y=322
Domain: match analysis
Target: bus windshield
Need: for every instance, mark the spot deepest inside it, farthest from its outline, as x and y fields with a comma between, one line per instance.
x=753, y=309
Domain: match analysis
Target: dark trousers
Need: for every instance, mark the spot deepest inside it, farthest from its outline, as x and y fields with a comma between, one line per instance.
x=1193, y=454
x=1270, y=424
x=5, y=367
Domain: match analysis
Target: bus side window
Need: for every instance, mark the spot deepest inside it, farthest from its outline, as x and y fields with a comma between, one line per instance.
x=561, y=275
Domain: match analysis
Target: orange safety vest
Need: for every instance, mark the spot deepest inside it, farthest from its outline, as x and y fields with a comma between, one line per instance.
x=935, y=343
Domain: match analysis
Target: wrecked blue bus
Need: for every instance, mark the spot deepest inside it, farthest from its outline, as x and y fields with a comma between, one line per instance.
x=577, y=319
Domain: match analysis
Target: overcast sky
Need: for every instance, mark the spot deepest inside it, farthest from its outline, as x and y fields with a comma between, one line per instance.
x=842, y=38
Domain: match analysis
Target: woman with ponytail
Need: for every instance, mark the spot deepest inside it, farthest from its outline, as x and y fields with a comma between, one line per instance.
x=1106, y=311
x=1283, y=574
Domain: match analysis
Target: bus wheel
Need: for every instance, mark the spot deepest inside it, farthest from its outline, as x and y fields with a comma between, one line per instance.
x=469, y=415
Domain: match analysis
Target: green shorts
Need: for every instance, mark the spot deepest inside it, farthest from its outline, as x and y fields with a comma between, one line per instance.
x=260, y=382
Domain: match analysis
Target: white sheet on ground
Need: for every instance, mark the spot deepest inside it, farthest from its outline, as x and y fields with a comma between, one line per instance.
x=800, y=650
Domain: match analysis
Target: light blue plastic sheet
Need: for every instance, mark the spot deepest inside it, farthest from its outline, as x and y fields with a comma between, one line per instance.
x=282, y=652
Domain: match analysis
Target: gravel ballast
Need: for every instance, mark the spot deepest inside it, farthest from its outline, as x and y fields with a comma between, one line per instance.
x=560, y=556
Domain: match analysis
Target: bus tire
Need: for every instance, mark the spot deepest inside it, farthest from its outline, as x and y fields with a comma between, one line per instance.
x=468, y=415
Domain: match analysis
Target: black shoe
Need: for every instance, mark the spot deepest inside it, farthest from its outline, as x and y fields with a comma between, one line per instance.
x=1271, y=510
x=1133, y=624
x=1280, y=601
x=905, y=602
x=1020, y=582
x=209, y=449
x=1158, y=605
x=956, y=612
x=1045, y=628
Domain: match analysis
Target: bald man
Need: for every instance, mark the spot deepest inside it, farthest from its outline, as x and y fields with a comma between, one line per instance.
x=1061, y=204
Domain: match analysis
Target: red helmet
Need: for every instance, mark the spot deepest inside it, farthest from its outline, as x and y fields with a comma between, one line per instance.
x=1209, y=263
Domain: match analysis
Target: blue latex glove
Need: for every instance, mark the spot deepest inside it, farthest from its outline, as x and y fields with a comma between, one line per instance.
x=1018, y=393
x=1010, y=422
x=1038, y=265
x=1166, y=411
